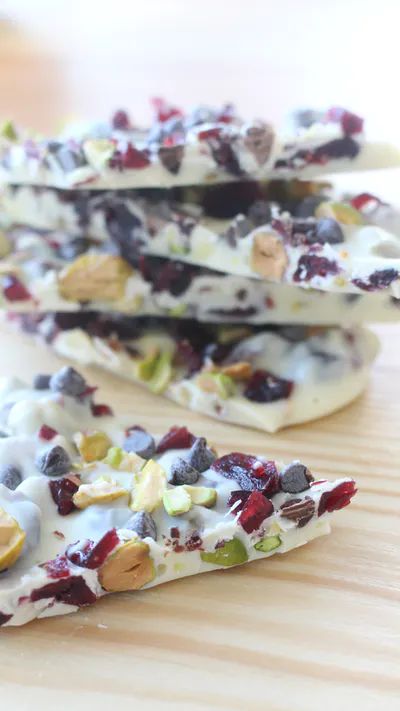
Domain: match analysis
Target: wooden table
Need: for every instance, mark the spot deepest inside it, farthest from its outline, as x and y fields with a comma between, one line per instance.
x=319, y=628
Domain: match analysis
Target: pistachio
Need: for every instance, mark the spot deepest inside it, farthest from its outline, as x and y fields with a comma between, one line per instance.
x=5, y=245
x=129, y=567
x=12, y=539
x=94, y=276
x=218, y=383
x=202, y=495
x=150, y=488
x=100, y=491
x=123, y=461
x=177, y=501
x=93, y=446
x=98, y=151
x=7, y=130
x=268, y=256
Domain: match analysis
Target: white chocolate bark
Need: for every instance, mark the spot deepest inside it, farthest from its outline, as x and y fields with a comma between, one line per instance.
x=327, y=369
x=47, y=579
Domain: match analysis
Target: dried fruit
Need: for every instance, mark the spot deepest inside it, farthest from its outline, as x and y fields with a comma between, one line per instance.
x=71, y=591
x=133, y=158
x=41, y=382
x=95, y=276
x=232, y=552
x=268, y=544
x=268, y=256
x=128, y=568
x=177, y=501
x=200, y=457
x=202, y=495
x=100, y=491
x=100, y=410
x=11, y=477
x=338, y=498
x=250, y=473
x=120, y=120
x=310, y=265
x=93, y=446
x=47, y=433
x=54, y=462
x=255, y=511
x=380, y=279
x=143, y=524
x=139, y=442
x=295, y=478
x=68, y=382
x=14, y=290
x=182, y=472
x=12, y=539
x=266, y=387
x=150, y=488
x=299, y=510
x=62, y=492
x=88, y=555
x=175, y=438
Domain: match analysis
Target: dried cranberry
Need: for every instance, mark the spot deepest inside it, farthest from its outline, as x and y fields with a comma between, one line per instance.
x=47, y=432
x=266, y=387
x=73, y=591
x=338, y=498
x=378, y=280
x=187, y=357
x=58, y=567
x=101, y=410
x=176, y=438
x=238, y=496
x=255, y=511
x=62, y=491
x=164, y=111
x=92, y=556
x=310, y=265
x=194, y=542
x=133, y=158
x=213, y=132
x=14, y=290
x=359, y=202
x=351, y=123
x=250, y=473
x=120, y=120
x=4, y=618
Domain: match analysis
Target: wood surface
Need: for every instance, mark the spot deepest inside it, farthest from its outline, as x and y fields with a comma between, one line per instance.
x=318, y=628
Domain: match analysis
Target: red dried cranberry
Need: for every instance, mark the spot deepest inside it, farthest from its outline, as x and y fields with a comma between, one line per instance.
x=250, y=473
x=255, y=511
x=194, y=542
x=176, y=438
x=164, y=111
x=310, y=265
x=90, y=555
x=101, y=410
x=266, y=387
x=351, y=123
x=187, y=357
x=4, y=618
x=73, y=591
x=378, y=280
x=57, y=568
x=359, y=202
x=133, y=158
x=227, y=114
x=62, y=491
x=14, y=290
x=238, y=496
x=214, y=132
x=120, y=120
x=47, y=432
x=338, y=498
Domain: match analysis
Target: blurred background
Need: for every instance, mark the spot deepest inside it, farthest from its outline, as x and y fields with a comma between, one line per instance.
x=75, y=58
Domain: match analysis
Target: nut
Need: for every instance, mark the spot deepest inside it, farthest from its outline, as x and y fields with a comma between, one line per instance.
x=93, y=446
x=100, y=491
x=268, y=256
x=128, y=568
x=12, y=539
x=94, y=276
x=150, y=487
x=217, y=383
x=238, y=371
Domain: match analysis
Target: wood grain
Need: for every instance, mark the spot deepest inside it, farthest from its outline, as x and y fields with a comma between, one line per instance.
x=318, y=628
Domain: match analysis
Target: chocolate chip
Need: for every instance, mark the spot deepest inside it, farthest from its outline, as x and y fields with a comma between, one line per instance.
x=140, y=442
x=260, y=213
x=41, y=381
x=182, y=472
x=200, y=456
x=54, y=462
x=68, y=382
x=11, y=477
x=73, y=248
x=295, y=478
x=308, y=206
x=299, y=510
x=328, y=230
x=143, y=524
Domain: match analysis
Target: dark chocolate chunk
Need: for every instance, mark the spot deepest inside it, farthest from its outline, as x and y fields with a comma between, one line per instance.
x=295, y=478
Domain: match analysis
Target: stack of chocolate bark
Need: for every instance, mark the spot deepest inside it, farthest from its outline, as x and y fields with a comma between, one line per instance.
x=206, y=258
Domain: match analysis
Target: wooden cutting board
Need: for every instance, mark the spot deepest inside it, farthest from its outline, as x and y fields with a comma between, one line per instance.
x=316, y=628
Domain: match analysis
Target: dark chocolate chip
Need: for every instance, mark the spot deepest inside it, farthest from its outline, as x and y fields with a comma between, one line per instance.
x=295, y=478
x=182, y=472
x=41, y=381
x=143, y=524
x=329, y=231
x=140, y=442
x=54, y=462
x=11, y=477
x=299, y=510
x=306, y=208
x=68, y=382
x=73, y=248
x=200, y=456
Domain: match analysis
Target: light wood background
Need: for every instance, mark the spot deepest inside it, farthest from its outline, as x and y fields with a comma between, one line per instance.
x=319, y=627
